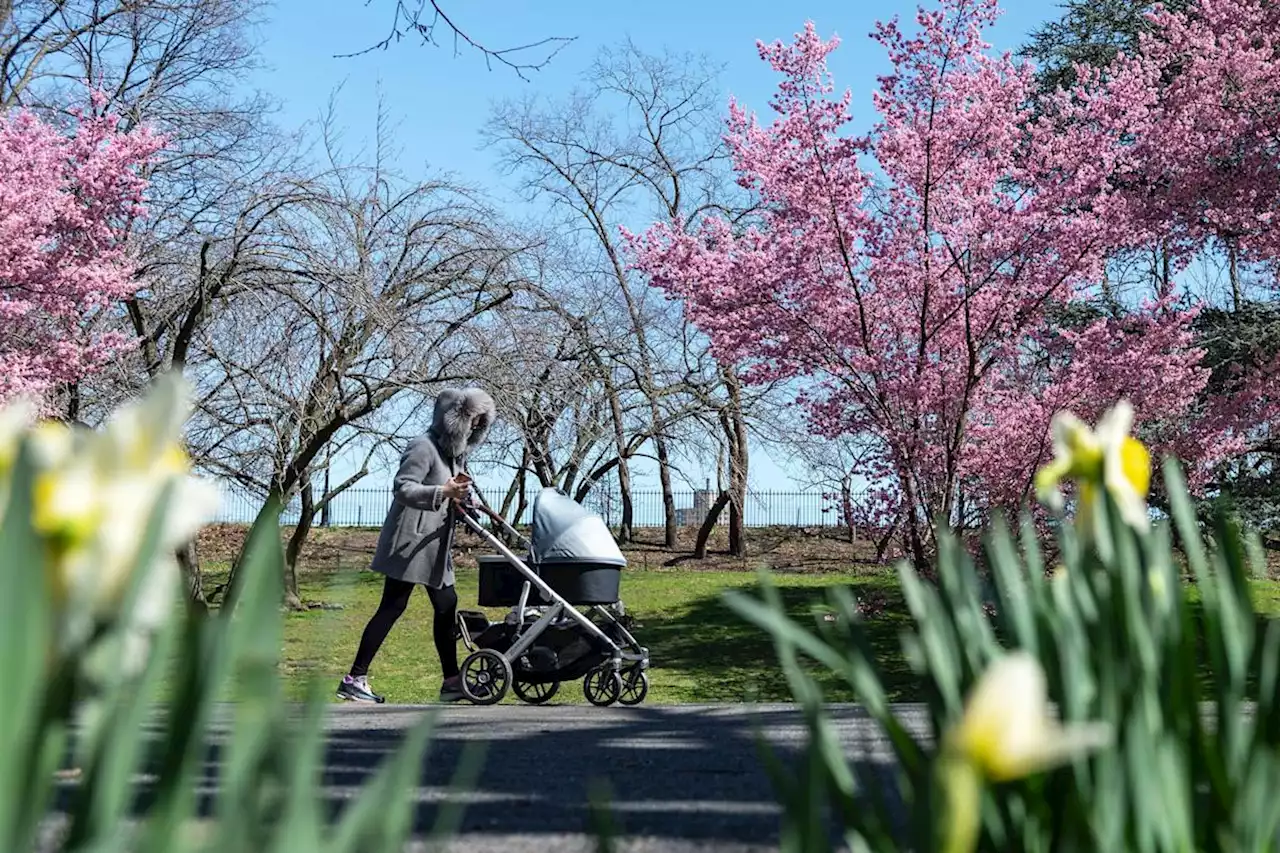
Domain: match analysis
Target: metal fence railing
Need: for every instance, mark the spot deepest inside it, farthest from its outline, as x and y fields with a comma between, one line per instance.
x=367, y=507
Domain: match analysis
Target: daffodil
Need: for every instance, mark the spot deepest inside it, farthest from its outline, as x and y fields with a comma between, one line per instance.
x=14, y=419
x=94, y=495
x=1006, y=733
x=67, y=505
x=1006, y=730
x=1106, y=458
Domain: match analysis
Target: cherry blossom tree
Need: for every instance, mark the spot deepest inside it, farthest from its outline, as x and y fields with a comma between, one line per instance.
x=1200, y=99
x=911, y=275
x=1197, y=104
x=63, y=199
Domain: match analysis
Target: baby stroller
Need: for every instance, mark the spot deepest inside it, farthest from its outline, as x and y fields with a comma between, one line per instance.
x=545, y=640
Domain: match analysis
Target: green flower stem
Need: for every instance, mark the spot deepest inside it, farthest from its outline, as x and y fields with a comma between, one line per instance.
x=961, y=783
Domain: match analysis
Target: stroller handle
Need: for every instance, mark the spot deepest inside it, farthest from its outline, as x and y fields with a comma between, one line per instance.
x=498, y=519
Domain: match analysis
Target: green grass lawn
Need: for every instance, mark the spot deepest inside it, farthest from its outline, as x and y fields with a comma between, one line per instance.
x=700, y=651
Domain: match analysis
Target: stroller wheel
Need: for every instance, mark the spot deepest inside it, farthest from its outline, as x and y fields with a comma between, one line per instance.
x=536, y=694
x=486, y=675
x=602, y=686
x=635, y=686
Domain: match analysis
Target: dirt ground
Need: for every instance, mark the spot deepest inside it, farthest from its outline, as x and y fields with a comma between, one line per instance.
x=783, y=550
x=780, y=549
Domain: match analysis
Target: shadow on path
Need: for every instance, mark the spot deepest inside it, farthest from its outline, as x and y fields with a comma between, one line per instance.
x=687, y=773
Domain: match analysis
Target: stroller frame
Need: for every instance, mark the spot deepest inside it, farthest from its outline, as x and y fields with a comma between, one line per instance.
x=631, y=654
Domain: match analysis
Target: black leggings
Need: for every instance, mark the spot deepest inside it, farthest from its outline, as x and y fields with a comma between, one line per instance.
x=395, y=598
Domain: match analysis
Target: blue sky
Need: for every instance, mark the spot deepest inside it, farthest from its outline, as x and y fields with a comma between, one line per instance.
x=437, y=101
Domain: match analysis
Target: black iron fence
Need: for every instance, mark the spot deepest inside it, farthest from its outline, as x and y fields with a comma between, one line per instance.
x=367, y=507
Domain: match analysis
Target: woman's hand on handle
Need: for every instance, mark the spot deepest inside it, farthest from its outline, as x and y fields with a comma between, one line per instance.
x=455, y=490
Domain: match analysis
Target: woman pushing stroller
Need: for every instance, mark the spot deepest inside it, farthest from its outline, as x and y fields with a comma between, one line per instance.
x=417, y=536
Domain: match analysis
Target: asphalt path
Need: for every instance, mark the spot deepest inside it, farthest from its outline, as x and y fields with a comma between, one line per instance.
x=680, y=778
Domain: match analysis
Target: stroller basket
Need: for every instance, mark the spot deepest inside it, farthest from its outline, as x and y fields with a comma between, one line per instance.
x=580, y=582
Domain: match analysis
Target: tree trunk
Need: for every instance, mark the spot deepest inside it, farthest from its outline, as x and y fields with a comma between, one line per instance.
x=624, y=470
x=737, y=541
x=1160, y=269
x=1233, y=270
x=846, y=506
x=738, y=499
x=668, y=496
x=326, y=516
x=294, y=549
x=513, y=489
x=189, y=562
x=882, y=545
x=911, y=518
x=735, y=429
x=73, y=402
x=625, y=524
x=522, y=503
x=709, y=524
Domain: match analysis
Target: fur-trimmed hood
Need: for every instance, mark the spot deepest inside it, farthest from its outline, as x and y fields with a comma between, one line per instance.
x=451, y=422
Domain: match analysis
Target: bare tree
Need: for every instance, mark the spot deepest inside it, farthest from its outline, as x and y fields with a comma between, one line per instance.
x=360, y=312
x=838, y=466
x=639, y=140
x=557, y=383
x=543, y=377
x=428, y=20
x=37, y=33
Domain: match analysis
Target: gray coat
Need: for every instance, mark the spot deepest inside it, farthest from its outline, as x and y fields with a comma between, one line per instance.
x=417, y=534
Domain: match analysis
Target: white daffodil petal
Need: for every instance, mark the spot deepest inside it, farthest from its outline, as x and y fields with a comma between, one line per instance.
x=66, y=495
x=157, y=593
x=193, y=504
x=1059, y=745
x=1047, y=480
x=1007, y=730
x=15, y=418
x=1115, y=424
x=94, y=495
x=130, y=436
x=52, y=444
x=132, y=499
x=145, y=429
x=1106, y=457
x=1067, y=430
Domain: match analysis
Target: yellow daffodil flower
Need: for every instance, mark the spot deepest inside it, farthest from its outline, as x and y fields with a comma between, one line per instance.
x=1006, y=733
x=94, y=495
x=1107, y=458
x=1006, y=730
x=134, y=458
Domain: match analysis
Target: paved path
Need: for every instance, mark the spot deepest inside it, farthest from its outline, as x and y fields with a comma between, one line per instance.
x=683, y=778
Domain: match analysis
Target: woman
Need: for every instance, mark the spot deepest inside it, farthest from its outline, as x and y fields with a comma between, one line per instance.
x=414, y=545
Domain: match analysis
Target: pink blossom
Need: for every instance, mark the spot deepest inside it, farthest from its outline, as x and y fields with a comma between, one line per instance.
x=913, y=291
x=1200, y=103
x=63, y=202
